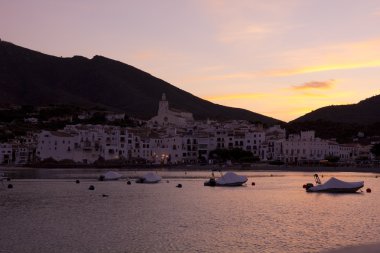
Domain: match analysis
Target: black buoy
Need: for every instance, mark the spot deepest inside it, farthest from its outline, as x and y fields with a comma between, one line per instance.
x=179, y=186
x=376, y=176
x=369, y=190
x=91, y=188
x=104, y=195
x=167, y=181
x=8, y=179
x=128, y=182
x=77, y=181
x=271, y=175
x=10, y=186
x=253, y=184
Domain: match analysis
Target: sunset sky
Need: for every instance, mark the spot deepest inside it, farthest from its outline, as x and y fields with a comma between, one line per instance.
x=278, y=58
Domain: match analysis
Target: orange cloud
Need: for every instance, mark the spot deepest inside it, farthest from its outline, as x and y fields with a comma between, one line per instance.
x=321, y=68
x=314, y=85
x=376, y=13
x=344, y=56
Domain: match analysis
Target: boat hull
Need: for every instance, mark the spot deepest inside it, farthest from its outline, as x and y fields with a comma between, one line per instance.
x=210, y=183
x=338, y=190
x=231, y=184
x=143, y=181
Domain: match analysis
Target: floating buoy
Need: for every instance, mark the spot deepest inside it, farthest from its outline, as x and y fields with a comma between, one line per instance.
x=376, y=176
x=128, y=182
x=77, y=181
x=167, y=181
x=369, y=190
x=179, y=186
x=91, y=188
x=104, y=195
x=10, y=186
x=253, y=184
x=271, y=175
x=304, y=186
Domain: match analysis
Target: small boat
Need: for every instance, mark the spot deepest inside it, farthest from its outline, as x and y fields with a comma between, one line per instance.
x=334, y=185
x=149, y=178
x=228, y=179
x=110, y=175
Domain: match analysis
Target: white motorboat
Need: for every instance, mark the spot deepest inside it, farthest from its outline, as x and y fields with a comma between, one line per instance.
x=336, y=186
x=149, y=178
x=228, y=179
x=110, y=175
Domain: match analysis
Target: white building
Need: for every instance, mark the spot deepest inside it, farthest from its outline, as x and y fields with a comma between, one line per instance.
x=5, y=153
x=174, y=137
x=306, y=147
x=58, y=146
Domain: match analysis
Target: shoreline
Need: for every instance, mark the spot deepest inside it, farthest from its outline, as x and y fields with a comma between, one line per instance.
x=252, y=168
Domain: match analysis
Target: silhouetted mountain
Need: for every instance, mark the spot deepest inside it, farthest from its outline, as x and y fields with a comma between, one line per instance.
x=30, y=77
x=363, y=113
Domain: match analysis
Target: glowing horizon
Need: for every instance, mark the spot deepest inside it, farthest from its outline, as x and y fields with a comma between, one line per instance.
x=277, y=58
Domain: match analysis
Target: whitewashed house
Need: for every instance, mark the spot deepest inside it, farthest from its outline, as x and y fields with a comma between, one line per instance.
x=57, y=145
x=253, y=142
x=304, y=147
x=5, y=153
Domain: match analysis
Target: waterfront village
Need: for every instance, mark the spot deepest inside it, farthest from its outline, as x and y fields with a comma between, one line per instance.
x=173, y=137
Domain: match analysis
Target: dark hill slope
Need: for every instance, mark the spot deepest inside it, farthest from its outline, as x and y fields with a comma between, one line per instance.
x=30, y=77
x=364, y=113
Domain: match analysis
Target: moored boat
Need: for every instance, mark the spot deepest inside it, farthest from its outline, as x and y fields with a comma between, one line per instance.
x=335, y=185
x=149, y=178
x=110, y=175
x=228, y=179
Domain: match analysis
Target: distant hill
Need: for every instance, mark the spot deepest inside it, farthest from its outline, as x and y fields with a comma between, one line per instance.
x=365, y=112
x=33, y=78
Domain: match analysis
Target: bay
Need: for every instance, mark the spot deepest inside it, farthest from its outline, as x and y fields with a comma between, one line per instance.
x=274, y=215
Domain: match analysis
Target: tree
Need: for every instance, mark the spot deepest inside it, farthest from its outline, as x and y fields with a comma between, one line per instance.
x=375, y=150
x=235, y=154
x=332, y=158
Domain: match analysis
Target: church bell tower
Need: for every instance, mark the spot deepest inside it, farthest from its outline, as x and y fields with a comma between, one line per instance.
x=163, y=106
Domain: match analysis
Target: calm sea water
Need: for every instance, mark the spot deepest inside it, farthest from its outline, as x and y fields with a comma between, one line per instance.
x=275, y=215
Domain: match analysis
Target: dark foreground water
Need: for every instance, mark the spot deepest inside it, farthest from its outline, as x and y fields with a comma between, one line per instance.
x=276, y=215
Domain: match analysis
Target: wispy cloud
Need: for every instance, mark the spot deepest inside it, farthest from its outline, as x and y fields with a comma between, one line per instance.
x=322, y=68
x=315, y=85
x=222, y=77
x=344, y=56
x=235, y=96
x=244, y=21
x=376, y=13
x=252, y=31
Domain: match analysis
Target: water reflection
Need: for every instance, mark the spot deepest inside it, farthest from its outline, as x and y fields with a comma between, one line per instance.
x=275, y=215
